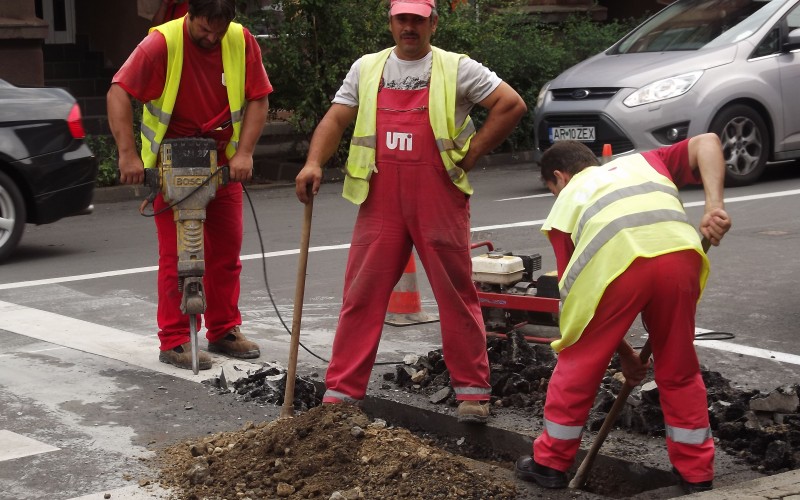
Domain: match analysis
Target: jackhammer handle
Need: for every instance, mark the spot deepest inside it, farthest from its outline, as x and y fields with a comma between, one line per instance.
x=226, y=175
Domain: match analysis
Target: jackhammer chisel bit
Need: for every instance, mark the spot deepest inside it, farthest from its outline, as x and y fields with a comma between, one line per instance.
x=187, y=169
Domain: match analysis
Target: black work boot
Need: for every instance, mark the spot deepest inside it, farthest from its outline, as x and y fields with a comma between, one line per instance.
x=690, y=488
x=528, y=470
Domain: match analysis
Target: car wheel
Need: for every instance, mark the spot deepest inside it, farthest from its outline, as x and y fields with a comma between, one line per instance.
x=12, y=216
x=745, y=143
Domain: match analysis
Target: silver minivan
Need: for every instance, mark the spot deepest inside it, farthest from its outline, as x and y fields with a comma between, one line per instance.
x=727, y=66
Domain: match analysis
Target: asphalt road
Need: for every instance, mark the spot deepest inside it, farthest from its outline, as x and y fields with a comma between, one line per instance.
x=84, y=396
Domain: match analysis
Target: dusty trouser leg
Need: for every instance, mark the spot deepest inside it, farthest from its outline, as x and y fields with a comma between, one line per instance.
x=439, y=226
x=580, y=367
x=173, y=325
x=379, y=252
x=670, y=318
x=223, y=244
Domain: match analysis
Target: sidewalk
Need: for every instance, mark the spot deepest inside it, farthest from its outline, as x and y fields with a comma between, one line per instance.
x=784, y=486
x=281, y=179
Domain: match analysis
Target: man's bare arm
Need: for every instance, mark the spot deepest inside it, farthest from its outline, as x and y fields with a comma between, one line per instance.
x=506, y=108
x=120, y=120
x=255, y=116
x=705, y=156
x=324, y=144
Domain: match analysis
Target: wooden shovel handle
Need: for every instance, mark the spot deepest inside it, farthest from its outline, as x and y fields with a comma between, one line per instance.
x=287, y=410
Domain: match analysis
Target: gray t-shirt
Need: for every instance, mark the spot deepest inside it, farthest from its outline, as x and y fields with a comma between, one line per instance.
x=475, y=81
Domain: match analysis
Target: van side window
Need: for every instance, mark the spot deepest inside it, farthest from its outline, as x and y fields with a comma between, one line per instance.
x=769, y=45
x=793, y=19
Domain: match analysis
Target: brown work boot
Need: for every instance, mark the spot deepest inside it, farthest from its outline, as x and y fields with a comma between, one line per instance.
x=181, y=357
x=476, y=412
x=236, y=345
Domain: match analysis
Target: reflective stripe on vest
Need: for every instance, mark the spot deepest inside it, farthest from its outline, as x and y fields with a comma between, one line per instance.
x=688, y=436
x=608, y=232
x=563, y=432
x=156, y=114
x=615, y=214
x=452, y=141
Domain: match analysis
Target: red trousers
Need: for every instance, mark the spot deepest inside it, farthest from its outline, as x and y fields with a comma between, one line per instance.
x=411, y=201
x=222, y=237
x=665, y=290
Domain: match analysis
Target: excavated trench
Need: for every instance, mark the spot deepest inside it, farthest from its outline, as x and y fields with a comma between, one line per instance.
x=756, y=433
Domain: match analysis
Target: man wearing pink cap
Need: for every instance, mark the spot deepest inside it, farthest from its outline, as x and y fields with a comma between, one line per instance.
x=412, y=147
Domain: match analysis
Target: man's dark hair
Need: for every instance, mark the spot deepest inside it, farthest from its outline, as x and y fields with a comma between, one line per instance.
x=213, y=10
x=569, y=157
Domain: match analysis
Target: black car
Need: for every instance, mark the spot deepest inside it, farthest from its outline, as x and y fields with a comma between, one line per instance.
x=46, y=169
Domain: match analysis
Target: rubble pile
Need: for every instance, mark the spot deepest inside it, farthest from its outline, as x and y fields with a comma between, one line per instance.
x=328, y=452
x=267, y=386
x=762, y=429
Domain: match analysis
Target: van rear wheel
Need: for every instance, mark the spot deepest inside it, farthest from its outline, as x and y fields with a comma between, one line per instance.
x=745, y=143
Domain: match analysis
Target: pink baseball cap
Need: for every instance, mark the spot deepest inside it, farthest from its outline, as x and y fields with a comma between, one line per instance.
x=421, y=8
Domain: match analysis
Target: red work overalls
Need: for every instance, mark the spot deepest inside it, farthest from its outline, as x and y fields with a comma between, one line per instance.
x=411, y=201
x=665, y=289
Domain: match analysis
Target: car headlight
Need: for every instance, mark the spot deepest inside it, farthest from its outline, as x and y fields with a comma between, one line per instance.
x=663, y=89
x=542, y=94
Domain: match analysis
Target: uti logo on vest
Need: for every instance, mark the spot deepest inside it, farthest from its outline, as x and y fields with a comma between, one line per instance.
x=399, y=140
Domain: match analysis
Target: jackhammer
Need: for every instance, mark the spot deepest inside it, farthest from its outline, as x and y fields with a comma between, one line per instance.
x=187, y=176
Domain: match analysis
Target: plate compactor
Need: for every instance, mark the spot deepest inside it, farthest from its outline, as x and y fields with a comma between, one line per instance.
x=187, y=176
x=509, y=295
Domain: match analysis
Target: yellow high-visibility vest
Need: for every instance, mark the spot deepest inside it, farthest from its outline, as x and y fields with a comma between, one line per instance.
x=615, y=213
x=156, y=114
x=452, y=140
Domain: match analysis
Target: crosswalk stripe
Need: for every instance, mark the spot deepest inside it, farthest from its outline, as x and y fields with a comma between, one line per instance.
x=135, y=349
x=13, y=445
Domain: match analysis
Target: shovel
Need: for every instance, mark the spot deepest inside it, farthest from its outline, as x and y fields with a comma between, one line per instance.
x=579, y=480
x=287, y=410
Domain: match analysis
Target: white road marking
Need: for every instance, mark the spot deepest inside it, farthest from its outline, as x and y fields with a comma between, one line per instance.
x=543, y=195
x=32, y=352
x=754, y=352
x=136, y=270
x=13, y=445
x=777, y=194
x=137, y=350
x=133, y=492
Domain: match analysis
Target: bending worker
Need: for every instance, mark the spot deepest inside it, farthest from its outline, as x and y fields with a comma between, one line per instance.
x=195, y=76
x=624, y=246
x=412, y=147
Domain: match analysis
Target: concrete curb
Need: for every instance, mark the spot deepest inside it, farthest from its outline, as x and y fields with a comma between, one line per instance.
x=285, y=173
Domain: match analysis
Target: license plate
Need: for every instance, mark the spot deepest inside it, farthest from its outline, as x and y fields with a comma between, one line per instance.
x=572, y=133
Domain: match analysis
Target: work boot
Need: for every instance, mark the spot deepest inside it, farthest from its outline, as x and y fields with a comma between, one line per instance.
x=236, y=345
x=476, y=412
x=690, y=488
x=181, y=356
x=527, y=469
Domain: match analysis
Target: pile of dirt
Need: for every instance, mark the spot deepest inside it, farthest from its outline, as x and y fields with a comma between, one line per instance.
x=330, y=452
x=762, y=429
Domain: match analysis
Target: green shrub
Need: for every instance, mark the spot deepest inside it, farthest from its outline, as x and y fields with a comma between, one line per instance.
x=105, y=150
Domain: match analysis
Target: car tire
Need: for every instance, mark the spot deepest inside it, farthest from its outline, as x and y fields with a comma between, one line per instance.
x=745, y=143
x=12, y=216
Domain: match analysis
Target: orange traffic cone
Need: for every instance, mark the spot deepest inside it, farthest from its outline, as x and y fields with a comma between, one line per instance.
x=405, y=305
x=606, y=154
